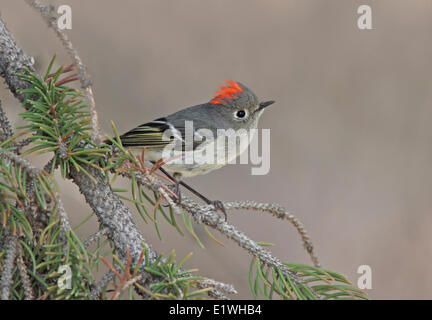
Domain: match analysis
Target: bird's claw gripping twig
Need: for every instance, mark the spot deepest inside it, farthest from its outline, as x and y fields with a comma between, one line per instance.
x=219, y=206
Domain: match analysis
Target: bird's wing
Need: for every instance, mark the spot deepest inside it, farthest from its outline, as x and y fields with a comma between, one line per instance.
x=151, y=134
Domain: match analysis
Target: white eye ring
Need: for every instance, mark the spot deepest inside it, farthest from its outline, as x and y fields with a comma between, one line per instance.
x=241, y=114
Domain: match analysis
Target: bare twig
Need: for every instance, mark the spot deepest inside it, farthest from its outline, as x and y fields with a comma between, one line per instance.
x=280, y=213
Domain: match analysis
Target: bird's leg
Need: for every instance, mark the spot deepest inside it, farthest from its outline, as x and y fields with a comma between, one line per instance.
x=176, y=183
x=176, y=179
x=216, y=203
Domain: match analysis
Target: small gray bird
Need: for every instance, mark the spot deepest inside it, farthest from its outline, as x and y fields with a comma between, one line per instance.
x=190, y=140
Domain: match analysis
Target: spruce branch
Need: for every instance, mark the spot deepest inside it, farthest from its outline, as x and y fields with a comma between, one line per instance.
x=47, y=13
x=84, y=172
x=115, y=215
x=36, y=174
x=208, y=215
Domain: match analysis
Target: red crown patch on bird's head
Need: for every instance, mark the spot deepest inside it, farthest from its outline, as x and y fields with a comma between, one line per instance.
x=226, y=92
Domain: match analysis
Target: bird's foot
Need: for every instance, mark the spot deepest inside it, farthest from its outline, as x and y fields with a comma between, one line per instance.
x=178, y=196
x=219, y=206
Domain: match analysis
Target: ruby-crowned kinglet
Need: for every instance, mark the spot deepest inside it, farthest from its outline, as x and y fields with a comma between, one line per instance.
x=181, y=138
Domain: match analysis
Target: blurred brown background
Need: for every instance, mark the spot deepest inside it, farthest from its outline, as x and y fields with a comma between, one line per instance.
x=350, y=133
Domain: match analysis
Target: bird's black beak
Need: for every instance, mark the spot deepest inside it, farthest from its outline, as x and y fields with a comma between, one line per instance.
x=265, y=104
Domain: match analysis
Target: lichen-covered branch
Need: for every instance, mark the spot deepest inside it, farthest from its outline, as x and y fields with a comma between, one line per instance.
x=112, y=214
x=13, y=61
x=8, y=268
x=207, y=215
x=105, y=203
x=47, y=12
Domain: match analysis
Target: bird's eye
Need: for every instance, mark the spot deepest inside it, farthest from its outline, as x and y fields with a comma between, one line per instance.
x=240, y=114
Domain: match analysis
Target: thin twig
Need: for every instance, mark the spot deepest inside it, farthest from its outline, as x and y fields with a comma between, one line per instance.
x=280, y=213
